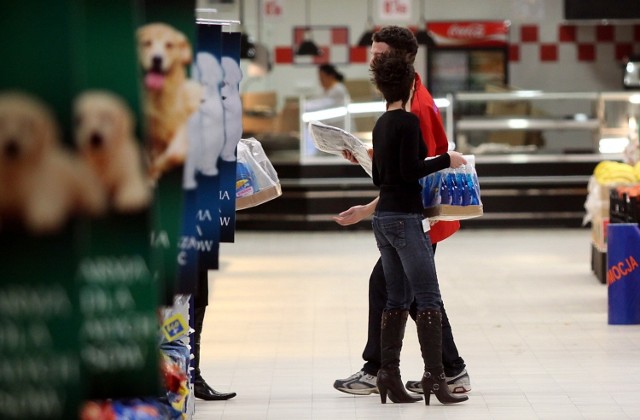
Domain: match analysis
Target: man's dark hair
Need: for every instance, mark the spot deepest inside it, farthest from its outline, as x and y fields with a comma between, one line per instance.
x=393, y=75
x=399, y=39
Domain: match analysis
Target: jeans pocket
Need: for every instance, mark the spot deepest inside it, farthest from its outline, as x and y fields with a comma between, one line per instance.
x=395, y=233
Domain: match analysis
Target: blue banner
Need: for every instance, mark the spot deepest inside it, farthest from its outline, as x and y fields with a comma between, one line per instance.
x=623, y=273
x=232, y=133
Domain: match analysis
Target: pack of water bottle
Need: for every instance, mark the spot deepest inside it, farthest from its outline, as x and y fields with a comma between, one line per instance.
x=452, y=193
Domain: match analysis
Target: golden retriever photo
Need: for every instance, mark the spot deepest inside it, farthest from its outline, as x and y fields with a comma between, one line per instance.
x=104, y=135
x=41, y=184
x=169, y=97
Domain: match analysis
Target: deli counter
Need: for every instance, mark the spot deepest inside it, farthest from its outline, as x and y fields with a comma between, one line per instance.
x=534, y=153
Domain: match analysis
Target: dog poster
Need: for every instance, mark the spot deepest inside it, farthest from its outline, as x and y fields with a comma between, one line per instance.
x=170, y=97
x=232, y=133
x=207, y=171
x=117, y=292
x=46, y=196
x=39, y=307
x=201, y=176
x=42, y=184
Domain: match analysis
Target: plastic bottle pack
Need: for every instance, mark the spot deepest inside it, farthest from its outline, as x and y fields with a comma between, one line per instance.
x=452, y=194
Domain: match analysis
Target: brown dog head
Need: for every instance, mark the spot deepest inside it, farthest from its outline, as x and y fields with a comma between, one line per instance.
x=103, y=122
x=27, y=129
x=162, y=51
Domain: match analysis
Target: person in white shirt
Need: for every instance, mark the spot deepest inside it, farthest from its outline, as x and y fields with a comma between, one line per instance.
x=334, y=94
x=331, y=80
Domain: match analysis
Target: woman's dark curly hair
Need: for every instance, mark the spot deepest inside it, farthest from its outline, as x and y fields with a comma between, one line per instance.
x=393, y=75
x=399, y=39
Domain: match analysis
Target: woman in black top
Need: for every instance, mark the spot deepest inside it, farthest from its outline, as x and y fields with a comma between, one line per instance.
x=398, y=165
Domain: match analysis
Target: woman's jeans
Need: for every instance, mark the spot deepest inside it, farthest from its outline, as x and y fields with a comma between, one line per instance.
x=407, y=260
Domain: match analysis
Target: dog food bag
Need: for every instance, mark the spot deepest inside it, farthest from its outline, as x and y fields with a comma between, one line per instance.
x=245, y=179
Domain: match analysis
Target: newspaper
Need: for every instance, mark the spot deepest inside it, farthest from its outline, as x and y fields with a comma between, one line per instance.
x=334, y=140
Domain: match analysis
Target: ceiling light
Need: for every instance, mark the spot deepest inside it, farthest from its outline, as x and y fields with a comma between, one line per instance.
x=367, y=37
x=308, y=47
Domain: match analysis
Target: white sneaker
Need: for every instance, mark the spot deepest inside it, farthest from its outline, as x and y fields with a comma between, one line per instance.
x=360, y=383
x=458, y=384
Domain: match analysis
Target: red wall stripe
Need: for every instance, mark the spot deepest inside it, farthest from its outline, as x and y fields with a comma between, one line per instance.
x=283, y=55
x=529, y=33
x=604, y=33
x=548, y=52
x=586, y=52
x=567, y=33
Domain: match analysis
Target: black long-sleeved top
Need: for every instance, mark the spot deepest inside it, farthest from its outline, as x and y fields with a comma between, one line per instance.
x=398, y=162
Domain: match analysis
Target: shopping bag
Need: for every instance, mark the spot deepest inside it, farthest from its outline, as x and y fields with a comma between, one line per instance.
x=256, y=179
x=452, y=193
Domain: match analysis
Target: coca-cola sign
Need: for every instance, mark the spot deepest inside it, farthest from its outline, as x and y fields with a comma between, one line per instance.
x=473, y=31
x=469, y=33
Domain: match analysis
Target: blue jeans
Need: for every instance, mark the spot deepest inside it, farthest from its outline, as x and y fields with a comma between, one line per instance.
x=403, y=246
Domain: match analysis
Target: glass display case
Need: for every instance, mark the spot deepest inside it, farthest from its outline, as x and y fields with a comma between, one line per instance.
x=526, y=122
x=618, y=113
x=545, y=123
x=503, y=123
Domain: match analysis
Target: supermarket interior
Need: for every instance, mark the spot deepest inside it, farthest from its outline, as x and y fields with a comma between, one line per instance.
x=194, y=224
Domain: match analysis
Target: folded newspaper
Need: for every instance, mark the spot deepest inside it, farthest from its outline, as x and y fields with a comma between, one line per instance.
x=334, y=140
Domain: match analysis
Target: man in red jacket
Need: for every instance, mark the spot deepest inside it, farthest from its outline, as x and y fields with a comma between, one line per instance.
x=421, y=104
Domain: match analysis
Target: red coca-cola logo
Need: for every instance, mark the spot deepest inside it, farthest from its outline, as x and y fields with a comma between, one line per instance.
x=494, y=33
x=473, y=31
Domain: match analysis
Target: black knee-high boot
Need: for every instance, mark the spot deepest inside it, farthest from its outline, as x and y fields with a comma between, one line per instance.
x=201, y=389
x=388, y=380
x=429, y=325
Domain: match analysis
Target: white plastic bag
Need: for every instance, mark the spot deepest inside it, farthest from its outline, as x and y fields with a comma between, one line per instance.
x=256, y=179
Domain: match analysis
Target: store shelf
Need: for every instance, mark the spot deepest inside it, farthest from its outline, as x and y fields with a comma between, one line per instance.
x=525, y=95
x=517, y=191
x=466, y=124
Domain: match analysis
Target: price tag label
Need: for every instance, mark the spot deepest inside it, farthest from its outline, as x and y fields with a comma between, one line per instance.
x=175, y=327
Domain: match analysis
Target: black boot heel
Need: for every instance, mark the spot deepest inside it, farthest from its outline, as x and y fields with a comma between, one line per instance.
x=390, y=384
x=429, y=324
x=383, y=394
x=437, y=383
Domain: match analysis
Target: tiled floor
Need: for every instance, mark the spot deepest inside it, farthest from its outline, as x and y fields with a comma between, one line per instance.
x=287, y=316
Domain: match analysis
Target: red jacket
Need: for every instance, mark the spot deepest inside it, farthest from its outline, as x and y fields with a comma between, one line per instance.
x=435, y=138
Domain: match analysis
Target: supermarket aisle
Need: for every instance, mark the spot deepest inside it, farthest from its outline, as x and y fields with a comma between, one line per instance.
x=287, y=317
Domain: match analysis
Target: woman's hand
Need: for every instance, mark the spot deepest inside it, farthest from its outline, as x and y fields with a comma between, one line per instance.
x=457, y=159
x=351, y=158
x=352, y=215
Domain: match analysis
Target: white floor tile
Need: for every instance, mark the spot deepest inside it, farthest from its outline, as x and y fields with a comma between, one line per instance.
x=288, y=314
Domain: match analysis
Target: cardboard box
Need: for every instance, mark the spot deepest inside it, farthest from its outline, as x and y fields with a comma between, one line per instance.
x=260, y=102
x=288, y=119
x=449, y=212
x=599, y=232
x=261, y=197
x=258, y=112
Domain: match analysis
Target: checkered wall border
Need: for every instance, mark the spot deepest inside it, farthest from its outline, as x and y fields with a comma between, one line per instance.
x=589, y=43
x=582, y=43
x=333, y=42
